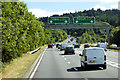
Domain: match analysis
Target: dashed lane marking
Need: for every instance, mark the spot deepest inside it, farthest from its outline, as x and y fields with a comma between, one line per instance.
x=68, y=62
x=114, y=64
x=76, y=69
x=65, y=58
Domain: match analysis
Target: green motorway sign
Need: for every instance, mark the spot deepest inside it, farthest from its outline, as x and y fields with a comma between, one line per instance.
x=58, y=20
x=83, y=20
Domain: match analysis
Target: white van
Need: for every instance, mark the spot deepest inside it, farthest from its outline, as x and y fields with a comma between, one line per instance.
x=93, y=57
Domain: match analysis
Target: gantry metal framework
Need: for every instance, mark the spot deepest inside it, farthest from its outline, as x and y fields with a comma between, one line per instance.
x=80, y=26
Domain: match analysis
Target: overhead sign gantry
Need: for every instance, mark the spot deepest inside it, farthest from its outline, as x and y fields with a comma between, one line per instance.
x=78, y=23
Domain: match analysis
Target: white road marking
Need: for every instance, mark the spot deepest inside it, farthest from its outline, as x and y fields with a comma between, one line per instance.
x=76, y=69
x=31, y=76
x=114, y=64
x=68, y=62
x=65, y=58
x=85, y=78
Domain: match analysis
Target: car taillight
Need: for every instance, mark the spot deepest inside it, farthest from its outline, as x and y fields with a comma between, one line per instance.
x=105, y=57
x=85, y=58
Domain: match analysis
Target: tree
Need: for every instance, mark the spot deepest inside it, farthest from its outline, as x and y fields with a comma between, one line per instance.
x=115, y=36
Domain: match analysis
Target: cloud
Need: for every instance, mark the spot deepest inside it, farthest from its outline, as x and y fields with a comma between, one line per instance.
x=99, y=6
x=114, y=6
x=40, y=12
x=45, y=13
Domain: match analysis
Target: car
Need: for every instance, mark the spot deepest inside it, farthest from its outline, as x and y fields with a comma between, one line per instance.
x=63, y=46
x=68, y=41
x=93, y=57
x=71, y=39
x=114, y=45
x=86, y=46
x=102, y=45
x=76, y=45
x=57, y=45
x=69, y=50
x=50, y=46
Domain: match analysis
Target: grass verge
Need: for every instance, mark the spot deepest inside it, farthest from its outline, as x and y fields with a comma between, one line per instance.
x=18, y=67
x=117, y=49
x=113, y=50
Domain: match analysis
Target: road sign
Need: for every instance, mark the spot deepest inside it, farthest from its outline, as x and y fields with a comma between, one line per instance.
x=83, y=20
x=58, y=20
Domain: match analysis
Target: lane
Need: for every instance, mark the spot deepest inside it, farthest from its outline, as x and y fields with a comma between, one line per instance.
x=53, y=66
x=110, y=72
x=112, y=56
x=57, y=65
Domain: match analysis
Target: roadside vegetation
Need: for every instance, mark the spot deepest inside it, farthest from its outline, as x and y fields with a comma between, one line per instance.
x=22, y=32
x=18, y=67
x=110, y=17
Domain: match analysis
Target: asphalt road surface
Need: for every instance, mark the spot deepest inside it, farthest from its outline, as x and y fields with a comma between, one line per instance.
x=55, y=64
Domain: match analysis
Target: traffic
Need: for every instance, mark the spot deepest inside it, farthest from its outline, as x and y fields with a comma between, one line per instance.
x=74, y=60
x=94, y=56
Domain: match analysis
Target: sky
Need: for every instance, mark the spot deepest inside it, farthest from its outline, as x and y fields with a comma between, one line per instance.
x=44, y=8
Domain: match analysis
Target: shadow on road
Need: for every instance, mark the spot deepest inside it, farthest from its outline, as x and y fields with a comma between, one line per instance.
x=78, y=69
x=66, y=54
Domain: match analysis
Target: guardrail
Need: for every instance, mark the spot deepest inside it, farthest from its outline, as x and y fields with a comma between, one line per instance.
x=34, y=50
x=117, y=48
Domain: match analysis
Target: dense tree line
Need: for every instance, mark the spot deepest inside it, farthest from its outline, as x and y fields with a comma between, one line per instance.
x=115, y=35
x=92, y=35
x=22, y=32
x=109, y=16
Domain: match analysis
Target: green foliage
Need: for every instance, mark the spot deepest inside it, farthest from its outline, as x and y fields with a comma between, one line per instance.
x=115, y=36
x=22, y=32
x=110, y=17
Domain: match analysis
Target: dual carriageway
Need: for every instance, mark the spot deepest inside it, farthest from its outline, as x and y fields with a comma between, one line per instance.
x=54, y=64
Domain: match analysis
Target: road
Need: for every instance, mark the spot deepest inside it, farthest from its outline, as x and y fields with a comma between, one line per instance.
x=55, y=64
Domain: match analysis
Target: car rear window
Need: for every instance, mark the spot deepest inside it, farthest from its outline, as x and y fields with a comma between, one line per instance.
x=69, y=47
x=95, y=51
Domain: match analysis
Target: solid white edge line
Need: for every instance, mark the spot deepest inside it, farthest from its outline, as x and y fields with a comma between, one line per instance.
x=31, y=76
